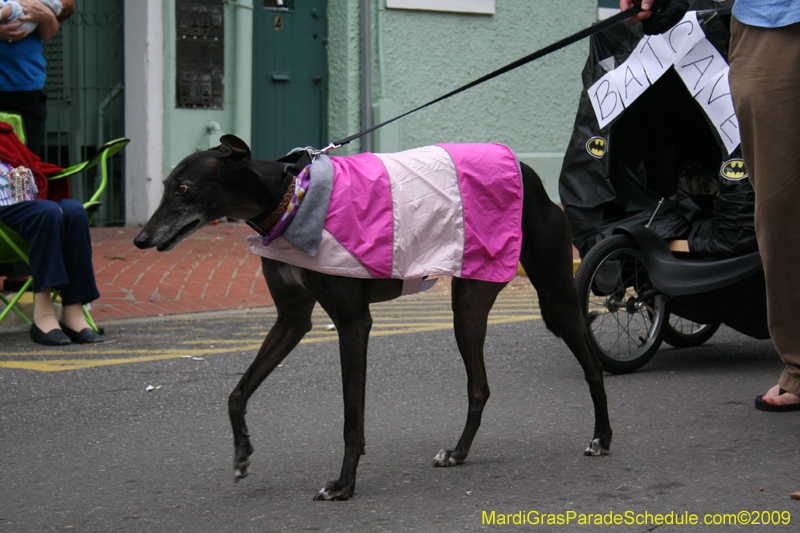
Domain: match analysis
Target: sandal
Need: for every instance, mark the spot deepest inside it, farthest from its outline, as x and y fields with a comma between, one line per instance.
x=764, y=406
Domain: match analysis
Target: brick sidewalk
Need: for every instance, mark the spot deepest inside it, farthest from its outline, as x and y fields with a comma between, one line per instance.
x=211, y=270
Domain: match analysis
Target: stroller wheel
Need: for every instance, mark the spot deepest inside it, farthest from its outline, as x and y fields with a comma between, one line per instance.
x=625, y=314
x=683, y=333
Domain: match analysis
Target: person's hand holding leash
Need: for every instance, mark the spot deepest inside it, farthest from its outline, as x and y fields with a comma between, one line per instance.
x=657, y=16
x=625, y=5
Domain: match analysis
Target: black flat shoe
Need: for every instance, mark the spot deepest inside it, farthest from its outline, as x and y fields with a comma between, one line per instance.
x=54, y=337
x=84, y=336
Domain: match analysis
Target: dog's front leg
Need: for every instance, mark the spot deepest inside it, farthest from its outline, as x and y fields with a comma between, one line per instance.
x=294, y=306
x=350, y=314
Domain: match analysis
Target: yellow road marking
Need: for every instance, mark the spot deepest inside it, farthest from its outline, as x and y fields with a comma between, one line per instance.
x=404, y=328
x=426, y=315
x=447, y=307
x=158, y=355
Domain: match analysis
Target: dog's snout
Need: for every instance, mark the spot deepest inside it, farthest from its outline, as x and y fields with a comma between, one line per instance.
x=142, y=240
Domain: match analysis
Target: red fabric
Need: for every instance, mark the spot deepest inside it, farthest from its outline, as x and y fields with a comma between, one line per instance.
x=16, y=154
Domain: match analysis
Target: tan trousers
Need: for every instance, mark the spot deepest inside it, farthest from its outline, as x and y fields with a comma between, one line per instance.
x=765, y=85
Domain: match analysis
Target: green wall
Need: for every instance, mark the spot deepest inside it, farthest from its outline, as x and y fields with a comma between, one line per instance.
x=185, y=130
x=426, y=54
x=418, y=56
x=344, y=71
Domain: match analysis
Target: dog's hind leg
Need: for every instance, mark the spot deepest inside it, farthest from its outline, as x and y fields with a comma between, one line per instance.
x=547, y=259
x=562, y=315
x=346, y=300
x=294, y=306
x=472, y=301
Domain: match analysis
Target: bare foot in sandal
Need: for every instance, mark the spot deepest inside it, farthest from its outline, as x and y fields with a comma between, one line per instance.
x=777, y=399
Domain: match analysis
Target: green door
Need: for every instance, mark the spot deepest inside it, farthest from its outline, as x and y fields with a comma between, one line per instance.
x=290, y=76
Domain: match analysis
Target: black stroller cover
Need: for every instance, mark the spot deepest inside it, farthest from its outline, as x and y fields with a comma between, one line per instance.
x=666, y=143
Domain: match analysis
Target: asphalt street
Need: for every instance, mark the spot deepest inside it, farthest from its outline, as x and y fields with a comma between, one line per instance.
x=134, y=436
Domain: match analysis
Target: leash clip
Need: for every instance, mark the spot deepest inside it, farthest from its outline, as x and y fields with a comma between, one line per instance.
x=330, y=147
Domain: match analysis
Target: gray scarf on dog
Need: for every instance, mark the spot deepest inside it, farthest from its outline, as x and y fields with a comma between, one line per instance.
x=305, y=231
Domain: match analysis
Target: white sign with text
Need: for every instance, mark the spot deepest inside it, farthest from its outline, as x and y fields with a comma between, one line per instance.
x=631, y=79
x=655, y=54
x=715, y=99
x=684, y=35
x=700, y=65
x=606, y=100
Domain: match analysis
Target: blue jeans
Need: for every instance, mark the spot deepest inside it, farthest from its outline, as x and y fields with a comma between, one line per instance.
x=60, y=246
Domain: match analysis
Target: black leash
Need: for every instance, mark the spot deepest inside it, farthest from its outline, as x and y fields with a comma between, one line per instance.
x=591, y=30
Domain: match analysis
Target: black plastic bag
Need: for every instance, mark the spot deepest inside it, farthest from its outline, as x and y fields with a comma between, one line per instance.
x=661, y=147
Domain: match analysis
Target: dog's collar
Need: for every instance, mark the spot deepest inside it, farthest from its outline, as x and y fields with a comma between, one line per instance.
x=267, y=220
x=293, y=164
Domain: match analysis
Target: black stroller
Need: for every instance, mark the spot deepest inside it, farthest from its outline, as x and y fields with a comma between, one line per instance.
x=662, y=214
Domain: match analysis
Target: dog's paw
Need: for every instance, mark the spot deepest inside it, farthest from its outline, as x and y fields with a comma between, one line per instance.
x=595, y=448
x=332, y=491
x=446, y=458
x=241, y=462
x=240, y=471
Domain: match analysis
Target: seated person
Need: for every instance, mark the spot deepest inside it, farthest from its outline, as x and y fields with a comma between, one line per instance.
x=12, y=11
x=58, y=236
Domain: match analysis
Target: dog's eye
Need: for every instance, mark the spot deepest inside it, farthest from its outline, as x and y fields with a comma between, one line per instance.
x=182, y=188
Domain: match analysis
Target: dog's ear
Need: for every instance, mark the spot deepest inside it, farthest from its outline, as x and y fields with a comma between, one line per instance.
x=236, y=146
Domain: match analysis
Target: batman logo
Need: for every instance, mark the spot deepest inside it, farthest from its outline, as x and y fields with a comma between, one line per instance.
x=596, y=146
x=733, y=170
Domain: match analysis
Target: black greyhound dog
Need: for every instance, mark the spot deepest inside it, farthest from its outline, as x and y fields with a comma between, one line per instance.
x=226, y=181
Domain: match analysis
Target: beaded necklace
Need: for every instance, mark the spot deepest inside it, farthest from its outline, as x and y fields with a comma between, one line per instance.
x=21, y=184
x=21, y=187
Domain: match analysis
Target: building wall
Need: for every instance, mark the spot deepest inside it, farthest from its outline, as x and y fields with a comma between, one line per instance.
x=344, y=70
x=190, y=130
x=144, y=108
x=420, y=55
x=162, y=134
x=416, y=56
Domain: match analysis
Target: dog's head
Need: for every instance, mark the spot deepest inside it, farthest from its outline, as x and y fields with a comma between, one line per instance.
x=204, y=187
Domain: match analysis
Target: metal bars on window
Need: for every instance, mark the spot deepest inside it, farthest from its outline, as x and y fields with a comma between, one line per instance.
x=85, y=73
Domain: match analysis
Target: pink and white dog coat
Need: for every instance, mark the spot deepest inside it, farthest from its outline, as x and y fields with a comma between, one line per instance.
x=448, y=209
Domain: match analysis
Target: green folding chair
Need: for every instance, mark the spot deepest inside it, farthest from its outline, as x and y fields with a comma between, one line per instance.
x=13, y=248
